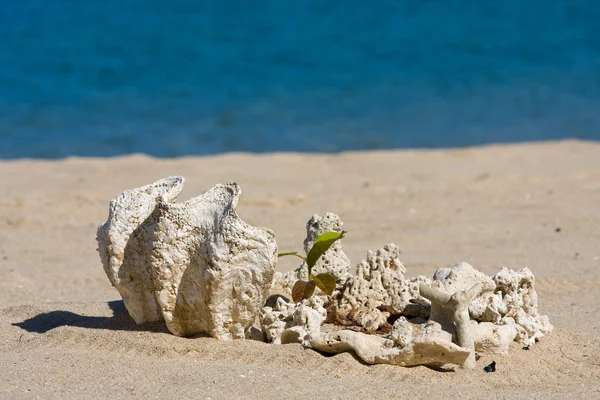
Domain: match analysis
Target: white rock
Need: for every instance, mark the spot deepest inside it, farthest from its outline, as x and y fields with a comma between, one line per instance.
x=369, y=318
x=519, y=301
x=308, y=317
x=209, y=272
x=274, y=320
x=493, y=339
x=489, y=307
x=461, y=276
x=293, y=323
x=402, y=332
x=378, y=350
x=511, y=301
x=434, y=329
x=334, y=261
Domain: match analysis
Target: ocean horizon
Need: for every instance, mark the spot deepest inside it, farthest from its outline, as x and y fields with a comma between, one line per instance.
x=107, y=78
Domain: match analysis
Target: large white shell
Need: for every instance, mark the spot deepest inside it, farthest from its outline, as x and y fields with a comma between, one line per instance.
x=196, y=264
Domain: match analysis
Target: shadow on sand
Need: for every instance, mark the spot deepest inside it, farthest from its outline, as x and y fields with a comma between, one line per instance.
x=120, y=321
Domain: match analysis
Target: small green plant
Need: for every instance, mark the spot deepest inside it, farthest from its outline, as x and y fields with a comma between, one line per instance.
x=305, y=289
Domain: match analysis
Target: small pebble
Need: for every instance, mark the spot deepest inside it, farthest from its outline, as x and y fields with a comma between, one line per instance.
x=491, y=367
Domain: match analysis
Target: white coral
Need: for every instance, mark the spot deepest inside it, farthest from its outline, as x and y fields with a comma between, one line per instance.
x=333, y=262
x=379, y=281
x=514, y=300
x=293, y=323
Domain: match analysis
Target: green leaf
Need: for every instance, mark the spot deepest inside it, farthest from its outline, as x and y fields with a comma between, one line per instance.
x=293, y=253
x=325, y=282
x=321, y=245
x=303, y=290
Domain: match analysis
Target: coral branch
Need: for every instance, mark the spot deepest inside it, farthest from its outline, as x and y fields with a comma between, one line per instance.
x=453, y=310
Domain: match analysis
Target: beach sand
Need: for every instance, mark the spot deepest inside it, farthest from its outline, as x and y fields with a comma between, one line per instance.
x=64, y=331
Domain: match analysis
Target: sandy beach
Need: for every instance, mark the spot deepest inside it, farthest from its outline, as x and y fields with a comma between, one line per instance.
x=64, y=332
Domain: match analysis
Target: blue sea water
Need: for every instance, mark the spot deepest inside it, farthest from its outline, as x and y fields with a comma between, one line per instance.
x=170, y=78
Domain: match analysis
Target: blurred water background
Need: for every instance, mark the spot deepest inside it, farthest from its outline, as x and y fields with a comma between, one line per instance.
x=170, y=78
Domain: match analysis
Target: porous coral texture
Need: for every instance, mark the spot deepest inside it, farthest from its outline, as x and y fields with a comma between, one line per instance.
x=379, y=281
x=196, y=264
